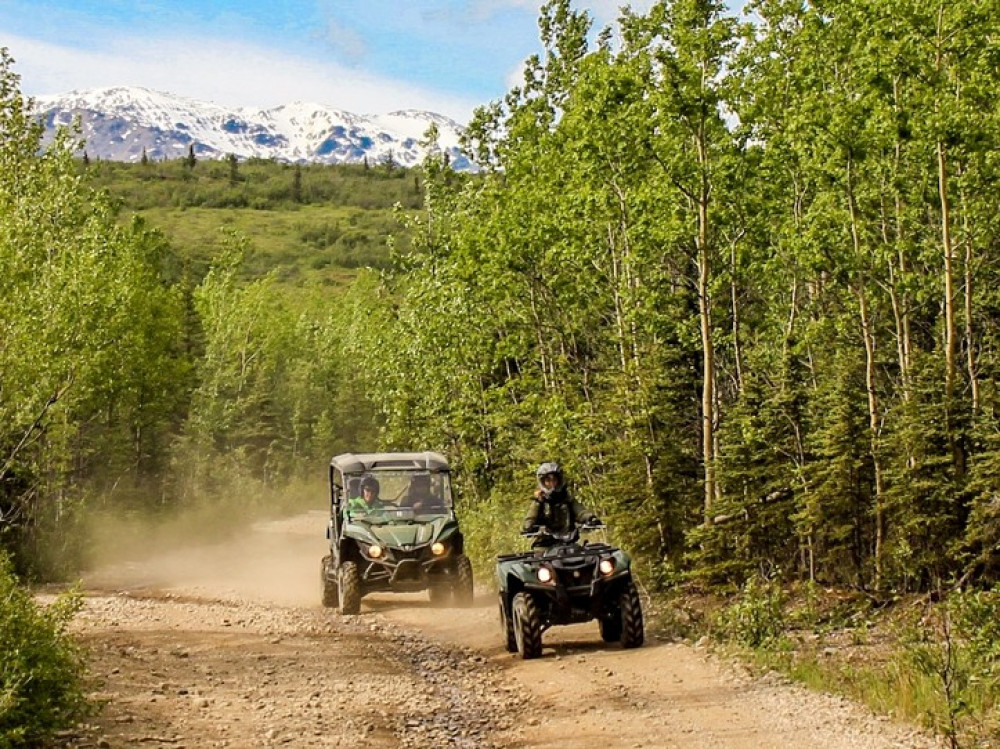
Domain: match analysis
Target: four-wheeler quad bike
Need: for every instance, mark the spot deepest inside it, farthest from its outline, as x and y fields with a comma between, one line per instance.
x=407, y=541
x=567, y=582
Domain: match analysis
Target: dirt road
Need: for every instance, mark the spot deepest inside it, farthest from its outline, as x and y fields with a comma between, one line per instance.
x=227, y=646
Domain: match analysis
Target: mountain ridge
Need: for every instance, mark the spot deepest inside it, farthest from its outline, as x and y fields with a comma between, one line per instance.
x=120, y=123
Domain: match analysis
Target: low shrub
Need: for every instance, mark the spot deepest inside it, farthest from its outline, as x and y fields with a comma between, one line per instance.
x=757, y=618
x=41, y=666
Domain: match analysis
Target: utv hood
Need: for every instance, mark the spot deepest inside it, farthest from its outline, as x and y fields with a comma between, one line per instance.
x=409, y=535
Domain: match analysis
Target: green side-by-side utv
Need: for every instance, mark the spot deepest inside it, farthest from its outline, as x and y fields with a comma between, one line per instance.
x=393, y=528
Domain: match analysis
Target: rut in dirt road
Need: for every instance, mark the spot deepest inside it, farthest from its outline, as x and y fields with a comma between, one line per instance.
x=181, y=671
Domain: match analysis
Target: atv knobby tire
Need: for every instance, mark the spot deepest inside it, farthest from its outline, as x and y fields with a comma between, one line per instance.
x=527, y=626
x=507, y=627
x=350, y=588
x=463, y=581
x=632, y=634
x=611, y=626
x=331, y=596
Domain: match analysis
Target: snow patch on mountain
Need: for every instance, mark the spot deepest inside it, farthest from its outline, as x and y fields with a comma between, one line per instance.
x=120, y=123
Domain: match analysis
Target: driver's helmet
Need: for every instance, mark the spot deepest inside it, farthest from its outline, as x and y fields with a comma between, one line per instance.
x=550, y=469
x=370, y=482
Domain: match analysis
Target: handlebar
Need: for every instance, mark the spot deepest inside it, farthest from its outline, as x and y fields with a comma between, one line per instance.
x=541, y=530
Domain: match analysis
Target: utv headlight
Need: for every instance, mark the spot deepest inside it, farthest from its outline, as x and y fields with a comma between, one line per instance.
x=437, y=548
x=375, y=551
x=607, y=566
x=544, y=575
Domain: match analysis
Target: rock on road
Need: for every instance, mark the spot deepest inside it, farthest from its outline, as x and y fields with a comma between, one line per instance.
x=228, y=646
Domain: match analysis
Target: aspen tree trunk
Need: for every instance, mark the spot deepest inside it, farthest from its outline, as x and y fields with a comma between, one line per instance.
x=873, y=430
x=901, y=304
x=870, y=383
x=950, y=327
x=970, y=330
x=540, y=337
x=737, y=348
x=705, y=315
x=950, y=344
x=628, y=347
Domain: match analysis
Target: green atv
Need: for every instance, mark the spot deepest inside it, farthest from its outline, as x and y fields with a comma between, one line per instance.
x=567, y=582
x=408, y=540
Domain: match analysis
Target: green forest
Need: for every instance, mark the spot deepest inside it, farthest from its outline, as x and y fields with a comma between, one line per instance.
x=739, y=276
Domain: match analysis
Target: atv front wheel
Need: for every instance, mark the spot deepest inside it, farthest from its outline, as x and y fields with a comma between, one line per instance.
x=507, y=628
x=611, y=626
x=527, y=626
x=632, y=634
x=463, y=583
x=328, y=587
x=350, y=588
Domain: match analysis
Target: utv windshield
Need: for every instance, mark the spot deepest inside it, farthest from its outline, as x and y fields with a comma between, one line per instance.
x=398, y=496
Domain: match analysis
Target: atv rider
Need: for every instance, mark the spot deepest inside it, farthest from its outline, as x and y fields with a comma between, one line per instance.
x=552, y=506
x=369, y=501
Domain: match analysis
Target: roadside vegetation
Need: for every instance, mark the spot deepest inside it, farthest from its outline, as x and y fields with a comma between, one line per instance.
x=740, y=279
x=42, y=669
x=918, y=659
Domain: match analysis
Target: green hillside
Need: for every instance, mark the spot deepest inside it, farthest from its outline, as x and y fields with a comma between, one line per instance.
x=309, y=223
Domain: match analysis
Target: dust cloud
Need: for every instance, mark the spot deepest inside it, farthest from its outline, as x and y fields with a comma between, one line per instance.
x=269, y=553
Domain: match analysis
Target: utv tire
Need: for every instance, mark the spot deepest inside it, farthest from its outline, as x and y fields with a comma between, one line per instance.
x=331, y=596
x=631, y=617
x=611, y=626
x=350, y=588
x=463, y=581
x=527, y=626
x=507, y=628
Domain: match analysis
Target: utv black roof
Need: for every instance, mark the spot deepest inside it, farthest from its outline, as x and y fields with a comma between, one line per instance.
x=363, y=462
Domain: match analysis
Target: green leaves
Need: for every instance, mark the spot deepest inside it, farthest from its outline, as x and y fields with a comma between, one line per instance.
x=41, y=667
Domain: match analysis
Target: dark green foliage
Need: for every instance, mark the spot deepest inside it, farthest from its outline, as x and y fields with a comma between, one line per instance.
x=927, y=504
x=41, y=667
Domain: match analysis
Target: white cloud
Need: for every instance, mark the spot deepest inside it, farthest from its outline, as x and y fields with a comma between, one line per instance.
x=345, y=41
x=603, y=12
x=515, y=78
x=221, y=71
x=607, y=11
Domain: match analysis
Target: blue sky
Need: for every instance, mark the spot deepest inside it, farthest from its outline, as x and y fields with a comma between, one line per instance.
x=365, y=56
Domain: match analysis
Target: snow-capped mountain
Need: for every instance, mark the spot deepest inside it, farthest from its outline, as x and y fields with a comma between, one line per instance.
x=119, y=123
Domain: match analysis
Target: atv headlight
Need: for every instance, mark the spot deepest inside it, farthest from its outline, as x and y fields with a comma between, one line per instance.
x=437, y=548
x=375, y=551
x=544, y=575
x=607, y=566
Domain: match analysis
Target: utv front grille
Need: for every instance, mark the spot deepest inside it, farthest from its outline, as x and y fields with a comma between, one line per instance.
x=404, y=555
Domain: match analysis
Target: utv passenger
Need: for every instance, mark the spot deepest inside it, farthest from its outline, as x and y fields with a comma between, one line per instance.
x=421, y=495
x=553, y=507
